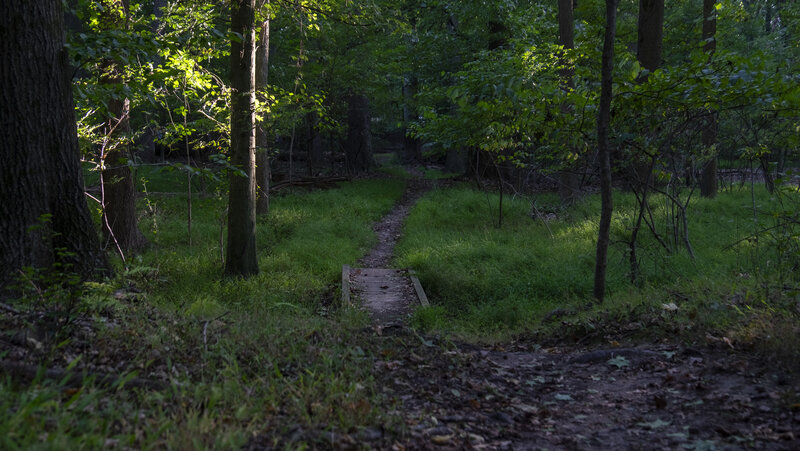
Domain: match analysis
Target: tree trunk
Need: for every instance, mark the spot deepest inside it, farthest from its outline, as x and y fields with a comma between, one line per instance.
x=45, y=219
x=120, y=225
x=262, y=138
x=650, y=33
x=603, y=124
x=313, y=144
x=412, y=147
x=708, y=177
x=358, y=147
x=568, y=180
x=242, y=260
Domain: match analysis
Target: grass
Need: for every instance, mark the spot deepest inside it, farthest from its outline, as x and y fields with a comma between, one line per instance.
x=438, y=174
x=257, y=356
x=535, y=275
x=275, y=355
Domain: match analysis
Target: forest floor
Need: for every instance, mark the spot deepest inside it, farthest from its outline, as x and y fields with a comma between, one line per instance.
x=294, y=385
x=453, y=395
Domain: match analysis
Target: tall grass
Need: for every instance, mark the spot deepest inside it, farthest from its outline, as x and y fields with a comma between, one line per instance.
x=486, y=281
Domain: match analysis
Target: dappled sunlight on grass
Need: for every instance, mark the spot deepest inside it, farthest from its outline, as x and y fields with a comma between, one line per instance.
x=302, y=244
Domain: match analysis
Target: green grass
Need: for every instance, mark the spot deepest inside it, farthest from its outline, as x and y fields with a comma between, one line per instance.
x=256, y=356
x=395, y=171
x=166, y=178
x=303, y=243
x=489, y=283
x=438, y=174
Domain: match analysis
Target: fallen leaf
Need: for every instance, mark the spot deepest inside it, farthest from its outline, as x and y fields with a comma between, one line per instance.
x=619, y=361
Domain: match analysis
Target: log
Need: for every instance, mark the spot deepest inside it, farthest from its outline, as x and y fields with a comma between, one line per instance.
x=346, y=285
x=423, y=298
x=319, y=182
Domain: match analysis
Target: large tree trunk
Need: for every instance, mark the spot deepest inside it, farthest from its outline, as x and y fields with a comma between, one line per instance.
x=650, y=33
x=568, y=180
x=358, y=147
x=648, y=52
x=603, y=124
x=262, y=138
x=708, y=177
x=120, y=226
x=45, y=219
x=241, y=257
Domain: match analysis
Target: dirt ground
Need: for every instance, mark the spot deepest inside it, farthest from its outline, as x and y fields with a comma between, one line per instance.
x=643, y=397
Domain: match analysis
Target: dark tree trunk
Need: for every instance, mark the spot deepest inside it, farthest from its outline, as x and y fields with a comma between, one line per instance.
x=358, y=147
x=603, y=124
x=314, y=144
x=45, y=219
x=412, y=147
x=708, y=177
x=241, y=259
x=568, y=180
x=648, y=52
x=650, y=33
x=120, y=226
x=262, y=138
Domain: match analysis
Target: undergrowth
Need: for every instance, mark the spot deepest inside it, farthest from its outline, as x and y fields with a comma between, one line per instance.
x=259, y=357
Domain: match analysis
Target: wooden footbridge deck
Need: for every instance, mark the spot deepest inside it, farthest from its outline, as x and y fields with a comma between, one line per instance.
x=387, y=294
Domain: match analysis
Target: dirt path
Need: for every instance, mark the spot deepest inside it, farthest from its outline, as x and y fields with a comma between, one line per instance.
x=389, y=227
x=387, y=294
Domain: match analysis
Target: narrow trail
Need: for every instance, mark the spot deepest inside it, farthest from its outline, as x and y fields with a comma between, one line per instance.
x=389, y=227
x=386, y=293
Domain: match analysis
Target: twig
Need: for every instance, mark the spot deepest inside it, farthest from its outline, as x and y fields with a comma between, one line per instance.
x=9, y=308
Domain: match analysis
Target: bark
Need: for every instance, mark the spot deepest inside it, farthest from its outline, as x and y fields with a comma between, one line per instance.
x=650, y=33
x=241, y=256
x=120, y=225
x=412, y=147
x=708, y=177
x=263, y=174
x=358, y=147
x=603, y=124
x=568, y=180
x=648, y=53
x=45, y=219
x=313, y=144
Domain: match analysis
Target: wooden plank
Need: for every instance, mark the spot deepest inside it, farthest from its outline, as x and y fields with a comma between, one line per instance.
x=346, y=285
x=423, y=299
